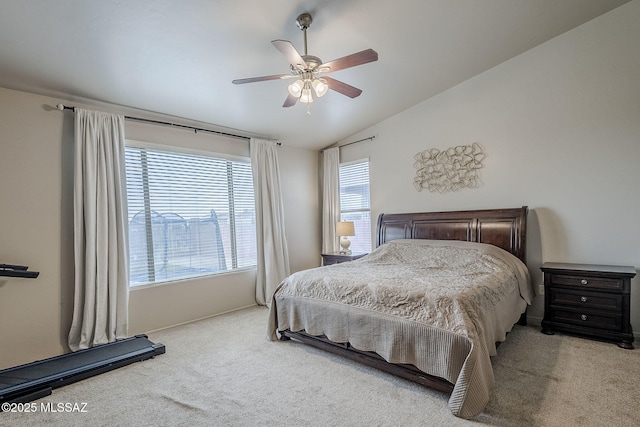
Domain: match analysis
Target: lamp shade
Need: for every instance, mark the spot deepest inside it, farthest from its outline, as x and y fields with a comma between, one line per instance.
x=345, y=228
x=305, y=96
x=320, y=87
x=295, y=88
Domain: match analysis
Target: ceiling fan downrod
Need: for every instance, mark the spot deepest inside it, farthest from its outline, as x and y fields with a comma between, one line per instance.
x=304, y=21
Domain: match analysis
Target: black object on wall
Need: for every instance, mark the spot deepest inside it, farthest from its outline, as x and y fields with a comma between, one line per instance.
x=17, y=271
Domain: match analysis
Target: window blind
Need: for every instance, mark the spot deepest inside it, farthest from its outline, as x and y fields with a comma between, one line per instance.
x=189, y=215
x=355, y=202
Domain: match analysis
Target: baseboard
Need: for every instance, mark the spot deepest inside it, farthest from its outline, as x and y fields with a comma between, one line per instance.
x=200, y=318
x=534, y=321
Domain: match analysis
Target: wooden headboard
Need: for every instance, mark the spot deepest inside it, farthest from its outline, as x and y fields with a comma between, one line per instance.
x=505, y=228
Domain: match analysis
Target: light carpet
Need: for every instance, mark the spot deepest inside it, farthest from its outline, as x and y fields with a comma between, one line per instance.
x=222, y=371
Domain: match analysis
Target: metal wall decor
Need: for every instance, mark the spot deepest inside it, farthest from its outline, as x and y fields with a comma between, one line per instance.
x=450, y=170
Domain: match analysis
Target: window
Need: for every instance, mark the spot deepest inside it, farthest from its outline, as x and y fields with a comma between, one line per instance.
x=189, y=214
x=355, y=203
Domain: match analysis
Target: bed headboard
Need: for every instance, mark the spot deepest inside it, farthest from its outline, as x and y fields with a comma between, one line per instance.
x=505, y=228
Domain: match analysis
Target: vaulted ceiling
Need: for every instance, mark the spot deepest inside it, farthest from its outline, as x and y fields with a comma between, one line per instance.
x=178, y=58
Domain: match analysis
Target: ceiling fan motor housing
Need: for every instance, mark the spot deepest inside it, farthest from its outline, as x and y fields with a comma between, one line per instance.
x=304, y=21
x=311, y=64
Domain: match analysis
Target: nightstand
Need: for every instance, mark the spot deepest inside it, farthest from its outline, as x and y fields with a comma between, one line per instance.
x=589, y=300
x=337, y=257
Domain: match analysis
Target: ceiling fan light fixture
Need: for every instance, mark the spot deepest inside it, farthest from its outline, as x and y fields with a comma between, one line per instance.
x=295, y=88
x=320, y=87
x=306, y=96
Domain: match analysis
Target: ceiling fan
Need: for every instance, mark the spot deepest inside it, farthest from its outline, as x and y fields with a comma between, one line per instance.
x=308, y=70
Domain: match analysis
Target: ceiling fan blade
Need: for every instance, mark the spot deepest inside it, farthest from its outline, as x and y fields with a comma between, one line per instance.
x=262, y=79
x=352, y=60
x=290, y=101
x=342, y=87
x=290, y=52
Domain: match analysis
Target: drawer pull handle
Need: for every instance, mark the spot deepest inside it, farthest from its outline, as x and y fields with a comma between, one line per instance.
x=584, y=299
x=584, y=281
x=583, y=316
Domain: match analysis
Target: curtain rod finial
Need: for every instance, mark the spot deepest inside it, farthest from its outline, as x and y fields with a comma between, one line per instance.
x=63, y=107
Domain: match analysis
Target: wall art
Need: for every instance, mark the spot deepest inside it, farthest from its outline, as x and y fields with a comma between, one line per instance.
x=452, y=169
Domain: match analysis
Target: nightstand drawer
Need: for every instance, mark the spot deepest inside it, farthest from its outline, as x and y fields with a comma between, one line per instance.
x=337, y=258
x=610, y=322
x=330, y=259
x=577, y=298
x=586, y=282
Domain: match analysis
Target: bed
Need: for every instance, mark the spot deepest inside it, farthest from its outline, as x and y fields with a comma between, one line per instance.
x=428, y=304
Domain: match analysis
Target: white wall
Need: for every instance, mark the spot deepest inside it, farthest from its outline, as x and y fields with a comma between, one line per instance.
x=36, y=229
x=300, y=194
x=561, y=128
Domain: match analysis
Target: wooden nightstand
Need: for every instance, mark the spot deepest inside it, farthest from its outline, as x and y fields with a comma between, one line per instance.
x=337, y=257
x=589, y=300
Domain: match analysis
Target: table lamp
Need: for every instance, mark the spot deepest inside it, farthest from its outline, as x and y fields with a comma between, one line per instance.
x=344, y=229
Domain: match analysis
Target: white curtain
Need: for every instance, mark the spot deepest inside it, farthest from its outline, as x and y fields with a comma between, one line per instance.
x=330, y=199
x=273, y=255
x=100, y=312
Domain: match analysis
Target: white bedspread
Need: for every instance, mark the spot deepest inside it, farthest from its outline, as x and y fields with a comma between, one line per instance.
x=439, y=305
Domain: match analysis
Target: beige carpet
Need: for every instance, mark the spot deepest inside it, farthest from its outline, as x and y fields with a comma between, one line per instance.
x=223, y=372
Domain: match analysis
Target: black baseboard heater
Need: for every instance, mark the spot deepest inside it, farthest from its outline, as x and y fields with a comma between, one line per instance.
x=35, y=380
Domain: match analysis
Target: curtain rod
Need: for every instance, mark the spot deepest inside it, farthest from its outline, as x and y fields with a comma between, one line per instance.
x=62, y=107
x=354, y=142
